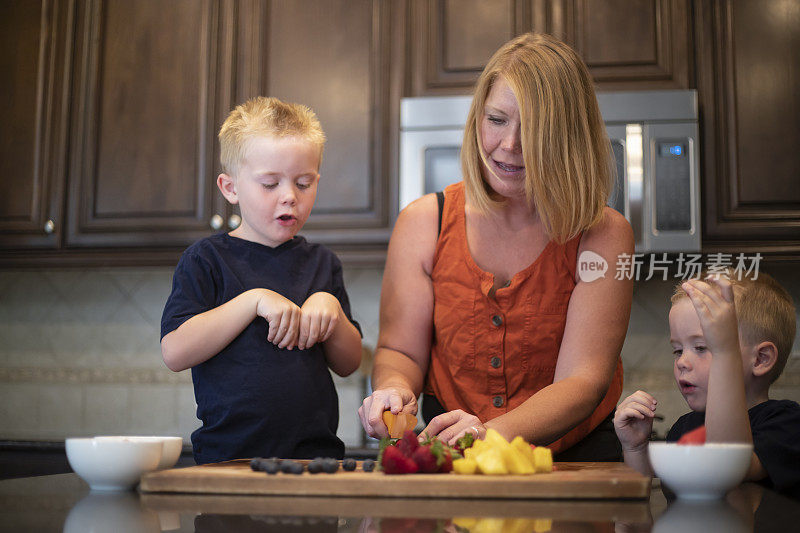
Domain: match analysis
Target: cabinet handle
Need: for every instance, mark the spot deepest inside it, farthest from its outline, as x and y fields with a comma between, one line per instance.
x=216, y=222
x=234, y=221
x=49, y=226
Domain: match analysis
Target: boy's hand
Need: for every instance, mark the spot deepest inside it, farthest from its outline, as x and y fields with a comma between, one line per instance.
x=713, y=301
x=283, y=317
x=633, y=420
x=320, y=314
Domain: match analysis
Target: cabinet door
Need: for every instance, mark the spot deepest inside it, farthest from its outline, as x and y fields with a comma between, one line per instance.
x=633, y=44
x=335, y=56
x=747, y=57
x=450, y=41
x=34, y=41
x=627, y=44
x=153, y=82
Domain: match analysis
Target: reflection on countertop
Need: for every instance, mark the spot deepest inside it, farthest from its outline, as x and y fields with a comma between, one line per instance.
x=64, y=503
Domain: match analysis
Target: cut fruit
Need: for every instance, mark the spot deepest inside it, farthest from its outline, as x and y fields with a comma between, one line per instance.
x=399, y=423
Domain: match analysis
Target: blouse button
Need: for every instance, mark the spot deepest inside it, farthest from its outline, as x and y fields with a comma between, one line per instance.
x=497, y=401
x=495, y=362
x=497, y=320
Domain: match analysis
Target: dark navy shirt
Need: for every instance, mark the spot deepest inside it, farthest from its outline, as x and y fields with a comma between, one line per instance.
x=253, y=398
x=776, y=440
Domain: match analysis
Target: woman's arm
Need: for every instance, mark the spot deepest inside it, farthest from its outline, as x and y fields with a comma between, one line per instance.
x=597, y=320
x=406, y=322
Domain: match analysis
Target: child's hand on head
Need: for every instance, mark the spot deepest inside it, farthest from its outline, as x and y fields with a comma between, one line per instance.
x=633, y=420
x=713, y=301
x=283, y=317
x=320, y=314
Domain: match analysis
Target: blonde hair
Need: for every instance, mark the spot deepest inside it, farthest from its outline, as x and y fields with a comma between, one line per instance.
x=565, y=148
x=765, y=312
x=263, y=116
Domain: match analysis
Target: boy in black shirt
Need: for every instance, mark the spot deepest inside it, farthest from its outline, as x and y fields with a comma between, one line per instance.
x=260, y=314
x=728, y=391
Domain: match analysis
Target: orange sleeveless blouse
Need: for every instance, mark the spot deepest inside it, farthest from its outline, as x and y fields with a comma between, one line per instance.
x=490, y=355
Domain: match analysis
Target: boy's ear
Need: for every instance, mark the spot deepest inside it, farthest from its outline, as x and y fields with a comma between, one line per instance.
x=227, y=186
x=766, y=355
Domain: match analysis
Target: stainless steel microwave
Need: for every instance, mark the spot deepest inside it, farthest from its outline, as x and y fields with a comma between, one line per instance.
x=653, y=137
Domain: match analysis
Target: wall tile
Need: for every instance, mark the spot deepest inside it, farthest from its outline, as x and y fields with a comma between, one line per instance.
x=19, y=415
x=67, y=321
x=107, y=410
x=153, y=409
x=60, y=410
x=187, y=412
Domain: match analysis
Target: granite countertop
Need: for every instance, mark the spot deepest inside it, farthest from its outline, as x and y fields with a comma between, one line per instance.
x=63, y=502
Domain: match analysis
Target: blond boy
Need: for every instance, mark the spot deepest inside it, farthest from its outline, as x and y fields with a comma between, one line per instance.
x=260, y=314
x=724, y=372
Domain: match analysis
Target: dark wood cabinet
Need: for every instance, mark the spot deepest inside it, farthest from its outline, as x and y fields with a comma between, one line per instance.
x=633, y=44
x=148, y=84
x=35, y=39
x=627, y=44
x=108, y=149
x=152, y=81
x=335, y=56
x=748, y=54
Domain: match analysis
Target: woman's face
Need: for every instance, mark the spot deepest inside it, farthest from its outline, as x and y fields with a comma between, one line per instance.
x=504, y=169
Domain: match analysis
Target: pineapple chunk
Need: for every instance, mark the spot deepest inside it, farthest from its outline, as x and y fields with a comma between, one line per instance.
x=544, y=459
x=465, y=466
x=491, y=462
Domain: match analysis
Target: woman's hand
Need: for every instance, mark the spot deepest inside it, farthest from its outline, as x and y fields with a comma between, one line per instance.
x=394, y=399
x=451, y=426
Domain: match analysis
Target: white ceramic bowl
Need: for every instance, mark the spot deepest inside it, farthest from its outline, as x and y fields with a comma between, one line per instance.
x=171, y=447
x=700, y=471
x=113, y=463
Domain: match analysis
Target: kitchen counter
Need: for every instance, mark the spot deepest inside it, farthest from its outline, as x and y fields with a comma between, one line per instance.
x=63, y=502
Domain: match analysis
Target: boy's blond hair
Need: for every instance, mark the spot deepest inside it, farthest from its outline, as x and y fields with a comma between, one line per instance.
x=565, y=148
x=765, y=312
x=265, y=116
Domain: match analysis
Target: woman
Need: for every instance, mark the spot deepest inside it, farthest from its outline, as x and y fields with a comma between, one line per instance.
x=484, y=310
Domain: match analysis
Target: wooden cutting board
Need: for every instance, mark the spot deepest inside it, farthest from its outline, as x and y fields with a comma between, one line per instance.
x=568, y=481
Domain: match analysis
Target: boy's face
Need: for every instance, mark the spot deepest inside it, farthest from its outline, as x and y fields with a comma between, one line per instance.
x=275, y=187
x=692, y=357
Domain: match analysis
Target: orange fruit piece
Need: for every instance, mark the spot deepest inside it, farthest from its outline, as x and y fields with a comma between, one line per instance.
x=399, y=423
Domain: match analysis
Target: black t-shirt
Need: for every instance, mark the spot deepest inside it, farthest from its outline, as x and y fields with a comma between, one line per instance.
x=253, y=398
x=776, y=440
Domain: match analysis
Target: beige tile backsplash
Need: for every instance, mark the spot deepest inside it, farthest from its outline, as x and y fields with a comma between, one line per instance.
x=79, y=354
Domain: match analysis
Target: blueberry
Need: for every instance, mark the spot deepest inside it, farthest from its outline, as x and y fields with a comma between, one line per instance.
x=368, y=465
x=287, y=466
x=315, y=466
x=349, y=464
x=330, y=465
x=255, y=464
x=296, y=468
x=270, y=467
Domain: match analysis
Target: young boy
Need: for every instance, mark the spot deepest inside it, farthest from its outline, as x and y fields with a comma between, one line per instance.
x=728, y=391
x=260, y=314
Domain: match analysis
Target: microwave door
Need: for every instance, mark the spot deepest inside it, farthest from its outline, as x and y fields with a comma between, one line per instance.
x=429, y=162
x=674, y=191
x=627, y=194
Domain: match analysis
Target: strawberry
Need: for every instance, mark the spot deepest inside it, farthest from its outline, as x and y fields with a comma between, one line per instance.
x=425, y=460
x=447, y=464
x=408, y=444
x=394, y=462
x=696, y=436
